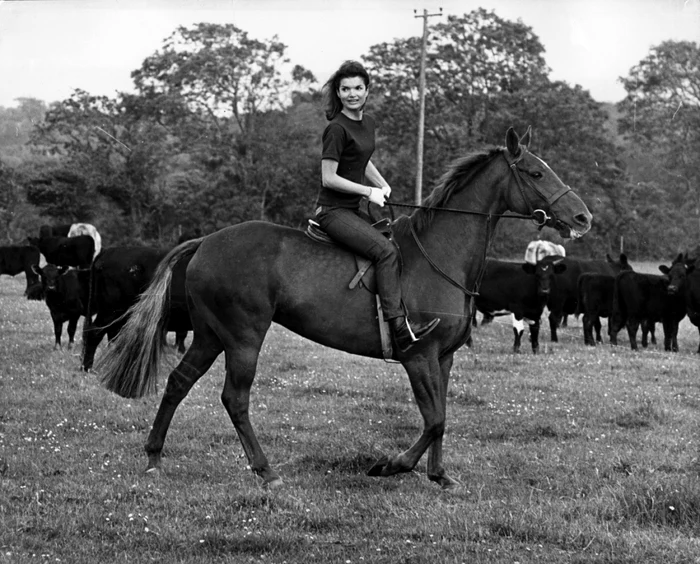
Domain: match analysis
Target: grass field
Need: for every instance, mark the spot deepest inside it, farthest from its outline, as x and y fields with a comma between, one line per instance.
x=576, y=455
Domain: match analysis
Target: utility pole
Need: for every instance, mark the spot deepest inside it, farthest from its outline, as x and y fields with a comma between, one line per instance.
x=421, y=96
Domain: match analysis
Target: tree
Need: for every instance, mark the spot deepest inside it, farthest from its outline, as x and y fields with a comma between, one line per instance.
x=484, y=74
x=661, y=123
x=234, y=89
x=15, y=126
x=16, y=216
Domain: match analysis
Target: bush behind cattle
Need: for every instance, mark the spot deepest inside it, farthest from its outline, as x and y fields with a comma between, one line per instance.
x=576, y=454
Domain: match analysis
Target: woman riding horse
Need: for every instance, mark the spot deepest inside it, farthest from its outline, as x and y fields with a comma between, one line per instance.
x=346, y=168
x=243, y=278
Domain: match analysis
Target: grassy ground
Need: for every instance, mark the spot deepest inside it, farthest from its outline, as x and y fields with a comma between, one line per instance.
x=577, y=455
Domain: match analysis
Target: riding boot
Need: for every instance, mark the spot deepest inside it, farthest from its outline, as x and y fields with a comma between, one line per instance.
x=406, y=335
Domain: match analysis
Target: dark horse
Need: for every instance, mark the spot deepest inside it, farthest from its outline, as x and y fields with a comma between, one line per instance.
x=244, y=277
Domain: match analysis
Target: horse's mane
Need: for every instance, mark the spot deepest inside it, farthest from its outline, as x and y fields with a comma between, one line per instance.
x=458, y=175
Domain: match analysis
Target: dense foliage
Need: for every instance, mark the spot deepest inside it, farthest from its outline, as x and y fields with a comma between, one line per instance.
x=222, y=128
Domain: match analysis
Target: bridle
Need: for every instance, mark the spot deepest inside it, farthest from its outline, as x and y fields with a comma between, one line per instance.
x=520, y=179
x=535, y=215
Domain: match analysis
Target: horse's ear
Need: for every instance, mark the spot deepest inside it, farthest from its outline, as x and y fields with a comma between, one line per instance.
x=512, y=142
x=525, y=139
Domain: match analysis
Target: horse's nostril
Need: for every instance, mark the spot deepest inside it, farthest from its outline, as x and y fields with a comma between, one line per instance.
x=583, y=219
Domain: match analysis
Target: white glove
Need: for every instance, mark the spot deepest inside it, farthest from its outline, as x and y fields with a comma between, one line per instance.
x=387, y=191
x=376, y=196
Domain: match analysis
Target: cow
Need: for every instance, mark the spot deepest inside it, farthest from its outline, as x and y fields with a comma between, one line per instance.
x=86, y=229
x=563, y=300
x=595, y=300
x=520, y=288
x=65, y=294
x=66, y=251
x=537, y=250
x=118, y=276
x=692, y=293
x=46, y=231
x=15, y=259
x=651, y=298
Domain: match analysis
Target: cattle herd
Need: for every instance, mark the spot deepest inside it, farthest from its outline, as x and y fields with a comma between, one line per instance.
x=591, y=289
x=81, y=279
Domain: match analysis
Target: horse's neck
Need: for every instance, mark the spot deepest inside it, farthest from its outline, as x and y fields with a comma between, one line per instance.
x=459, y=241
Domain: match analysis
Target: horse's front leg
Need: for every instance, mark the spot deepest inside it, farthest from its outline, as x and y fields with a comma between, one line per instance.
x=436, y=471
x=426, y=381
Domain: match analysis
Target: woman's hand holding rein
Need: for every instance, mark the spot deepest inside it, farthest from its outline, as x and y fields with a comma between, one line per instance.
x=376, y=196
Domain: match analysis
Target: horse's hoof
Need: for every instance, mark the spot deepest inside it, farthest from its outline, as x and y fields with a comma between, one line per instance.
x=274, y=484
x=379, y=467
x=154, y=470
x=449, y=484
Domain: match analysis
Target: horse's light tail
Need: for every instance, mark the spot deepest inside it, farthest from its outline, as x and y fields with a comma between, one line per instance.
x=130, y=365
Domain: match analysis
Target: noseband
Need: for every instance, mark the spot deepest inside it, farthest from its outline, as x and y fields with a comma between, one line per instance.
x=536, y=213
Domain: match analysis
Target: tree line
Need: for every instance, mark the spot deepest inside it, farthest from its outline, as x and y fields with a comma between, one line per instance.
x=222, y=128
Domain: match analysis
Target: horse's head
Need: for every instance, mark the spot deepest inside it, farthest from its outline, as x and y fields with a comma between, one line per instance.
x=540, y=191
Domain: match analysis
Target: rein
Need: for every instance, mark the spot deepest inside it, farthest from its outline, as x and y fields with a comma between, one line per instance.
x=436, y=268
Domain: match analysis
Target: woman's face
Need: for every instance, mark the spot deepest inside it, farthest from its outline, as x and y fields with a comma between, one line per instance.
x=353, y=93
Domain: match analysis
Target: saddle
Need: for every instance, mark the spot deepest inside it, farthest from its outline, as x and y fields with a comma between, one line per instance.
x=364, y=277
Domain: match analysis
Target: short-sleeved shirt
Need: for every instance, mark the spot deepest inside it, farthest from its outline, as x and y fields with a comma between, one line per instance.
x=351, y=144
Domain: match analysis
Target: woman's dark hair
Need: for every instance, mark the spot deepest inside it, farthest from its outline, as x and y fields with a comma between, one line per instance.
x=349, y=69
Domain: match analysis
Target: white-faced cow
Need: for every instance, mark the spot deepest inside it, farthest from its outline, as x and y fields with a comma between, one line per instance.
x=651, y=298
x=65, y=295
x=537, y=250
x=521, y=289
x=78, y=229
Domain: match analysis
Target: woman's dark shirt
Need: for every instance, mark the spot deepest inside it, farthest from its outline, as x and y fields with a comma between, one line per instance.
x=351, y=144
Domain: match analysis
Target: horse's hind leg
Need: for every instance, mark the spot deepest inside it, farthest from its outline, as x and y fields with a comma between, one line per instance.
x=241, y=363
x=204, y=350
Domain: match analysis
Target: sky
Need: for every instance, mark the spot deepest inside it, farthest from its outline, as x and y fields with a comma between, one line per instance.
x=48, y=48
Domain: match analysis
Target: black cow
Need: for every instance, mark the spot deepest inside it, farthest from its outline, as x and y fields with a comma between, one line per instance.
x=520, y=288
x=692, y=293
x=118, y=276
x=651, y=298
x=66, y=251
x=65, y=292
x=563, y=299
x=595, y=300
x=46, y=231
x=16, y=259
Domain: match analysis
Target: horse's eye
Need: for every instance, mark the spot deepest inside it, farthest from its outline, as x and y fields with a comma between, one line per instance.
x=536, y=175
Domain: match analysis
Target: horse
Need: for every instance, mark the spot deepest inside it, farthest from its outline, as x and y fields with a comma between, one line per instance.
x=244, y=277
